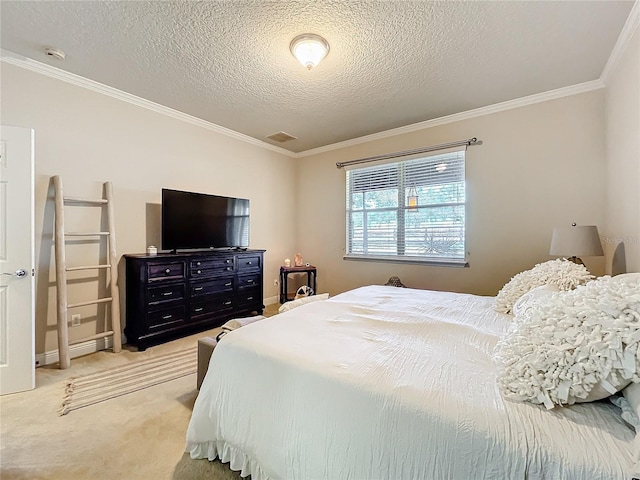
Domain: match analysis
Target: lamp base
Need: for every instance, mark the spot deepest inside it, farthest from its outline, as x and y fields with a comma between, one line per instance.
x=575, y=260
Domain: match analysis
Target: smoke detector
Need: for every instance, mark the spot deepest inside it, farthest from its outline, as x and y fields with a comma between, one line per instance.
x=55, y=53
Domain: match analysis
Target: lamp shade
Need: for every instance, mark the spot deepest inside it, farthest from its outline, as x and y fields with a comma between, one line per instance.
x=576, y=241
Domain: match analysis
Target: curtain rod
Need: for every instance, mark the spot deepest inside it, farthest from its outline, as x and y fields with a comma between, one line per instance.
x=405, y=153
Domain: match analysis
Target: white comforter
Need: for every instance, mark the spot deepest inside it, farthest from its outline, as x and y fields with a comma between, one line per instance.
x=389, y=383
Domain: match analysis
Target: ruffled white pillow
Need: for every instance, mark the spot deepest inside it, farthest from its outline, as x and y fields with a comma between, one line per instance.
x=525, y=303
x=574, y=346
x=563, y=274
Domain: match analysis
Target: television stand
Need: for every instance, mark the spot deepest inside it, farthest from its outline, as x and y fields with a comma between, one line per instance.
x=171, y=295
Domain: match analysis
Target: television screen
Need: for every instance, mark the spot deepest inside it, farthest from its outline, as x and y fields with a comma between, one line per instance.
x=196, y=220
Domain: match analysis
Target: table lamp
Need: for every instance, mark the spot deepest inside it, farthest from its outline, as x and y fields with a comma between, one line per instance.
x=575, y=241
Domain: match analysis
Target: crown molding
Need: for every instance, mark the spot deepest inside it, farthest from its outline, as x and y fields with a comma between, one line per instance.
x=53, y=72
x=630, y=27
x=59, y=74
x=457, y=117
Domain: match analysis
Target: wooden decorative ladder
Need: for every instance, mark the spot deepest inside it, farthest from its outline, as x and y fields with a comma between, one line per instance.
x=62, y=269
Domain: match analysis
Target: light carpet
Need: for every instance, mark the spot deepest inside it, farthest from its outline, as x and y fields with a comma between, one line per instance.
x=139, y=436
x=107, y=384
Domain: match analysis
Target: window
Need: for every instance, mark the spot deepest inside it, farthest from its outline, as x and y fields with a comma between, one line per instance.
x=412, y=210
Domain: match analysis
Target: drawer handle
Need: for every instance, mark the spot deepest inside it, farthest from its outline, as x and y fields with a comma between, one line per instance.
x=199, y=272
x=167, y=294
x=198, y=309
x=228, y=269
x=167, y=271
x=197, y=289
x=249, y=263
x=167, y=317
x=249, y=298
x=228, y=303
x=227, y=261
x=249, y=281
x=227, y=284
x=197, y=264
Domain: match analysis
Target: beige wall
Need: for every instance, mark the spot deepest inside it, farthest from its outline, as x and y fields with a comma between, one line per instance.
x=89, y=138
x=539, y=166
x=623, y=155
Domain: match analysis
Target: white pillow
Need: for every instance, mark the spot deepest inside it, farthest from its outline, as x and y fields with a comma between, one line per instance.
x=301, y=301
x=632, y=394
x=562, y=273
x=628, y=414
x=574, y=346
x=524, y=304
x=625, y=277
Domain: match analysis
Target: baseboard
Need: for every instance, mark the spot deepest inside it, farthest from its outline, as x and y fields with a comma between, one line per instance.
x=271, y=300
x=93, y=346
x=78, y=350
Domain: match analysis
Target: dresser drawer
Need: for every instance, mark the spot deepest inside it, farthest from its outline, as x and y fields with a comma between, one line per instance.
x=248, y=296
x=204, y=263
x=210, y=267
x=166, y=318
x=219, y=285
x=165, y=293
x=214, y=305
x=249, y=281
x=211, y=270
x=165, y=271
x=248, y=262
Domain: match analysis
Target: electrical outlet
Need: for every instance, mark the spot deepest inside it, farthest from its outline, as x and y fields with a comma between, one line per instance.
x=75, y=320
x=275, y=282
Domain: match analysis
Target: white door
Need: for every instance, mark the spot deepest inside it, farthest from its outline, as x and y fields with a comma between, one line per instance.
x=17, y=306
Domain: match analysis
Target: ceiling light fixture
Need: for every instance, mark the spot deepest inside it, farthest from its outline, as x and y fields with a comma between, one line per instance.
x=309, y=49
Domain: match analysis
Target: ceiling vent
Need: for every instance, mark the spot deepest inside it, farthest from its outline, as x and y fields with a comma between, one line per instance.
x=281, y=137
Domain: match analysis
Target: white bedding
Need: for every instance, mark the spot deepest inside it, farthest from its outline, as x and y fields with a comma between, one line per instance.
x=389, y=383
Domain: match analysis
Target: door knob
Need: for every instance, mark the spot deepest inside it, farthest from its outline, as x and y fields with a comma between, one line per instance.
x=21, y=272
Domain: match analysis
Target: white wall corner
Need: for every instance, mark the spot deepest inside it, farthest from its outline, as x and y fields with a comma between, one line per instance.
x=630, y=27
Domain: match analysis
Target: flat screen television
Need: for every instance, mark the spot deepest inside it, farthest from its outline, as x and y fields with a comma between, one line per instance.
x=196, y=220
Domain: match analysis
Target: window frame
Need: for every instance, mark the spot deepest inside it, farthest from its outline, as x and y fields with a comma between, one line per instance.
x=401, y=210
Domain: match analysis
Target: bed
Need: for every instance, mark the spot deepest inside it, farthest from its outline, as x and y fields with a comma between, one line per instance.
x=390, y=383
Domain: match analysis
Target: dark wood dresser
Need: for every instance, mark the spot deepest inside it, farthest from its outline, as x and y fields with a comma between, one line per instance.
x=173, y=295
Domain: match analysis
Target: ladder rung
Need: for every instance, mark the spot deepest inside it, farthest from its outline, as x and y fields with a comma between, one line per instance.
x=90, y=302
x=92, y=337
x=86, y=267
x=97, y=201
x=85, y=234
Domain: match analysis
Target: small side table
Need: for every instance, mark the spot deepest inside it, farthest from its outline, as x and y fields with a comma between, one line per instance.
x=284, y=273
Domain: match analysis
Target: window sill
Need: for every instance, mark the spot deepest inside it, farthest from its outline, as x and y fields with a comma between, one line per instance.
x=410, y=260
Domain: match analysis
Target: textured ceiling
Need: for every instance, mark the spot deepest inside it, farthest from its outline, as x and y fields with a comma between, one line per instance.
x=391, y=64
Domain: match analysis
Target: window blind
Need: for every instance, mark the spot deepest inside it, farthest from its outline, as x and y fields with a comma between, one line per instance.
x=412, y=209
